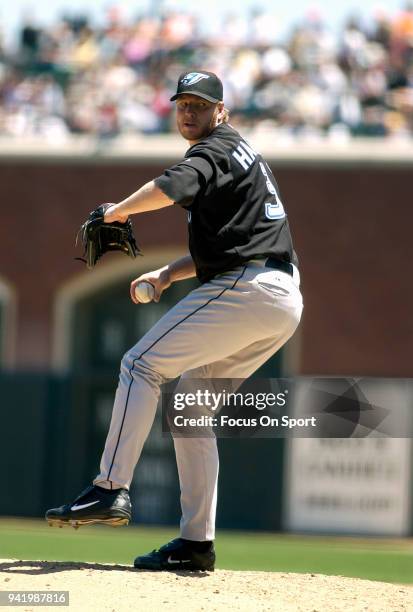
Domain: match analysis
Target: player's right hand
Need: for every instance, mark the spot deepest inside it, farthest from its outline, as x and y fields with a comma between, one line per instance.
x=160, y=280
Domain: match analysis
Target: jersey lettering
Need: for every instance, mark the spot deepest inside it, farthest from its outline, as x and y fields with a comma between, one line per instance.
x=244, y=155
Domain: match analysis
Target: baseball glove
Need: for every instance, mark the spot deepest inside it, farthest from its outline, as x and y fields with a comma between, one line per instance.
x=99, y=237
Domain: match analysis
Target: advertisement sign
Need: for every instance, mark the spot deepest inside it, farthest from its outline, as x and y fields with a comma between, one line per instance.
x=354, y=485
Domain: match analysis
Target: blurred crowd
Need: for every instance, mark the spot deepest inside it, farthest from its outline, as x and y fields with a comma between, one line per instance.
x=72, y=78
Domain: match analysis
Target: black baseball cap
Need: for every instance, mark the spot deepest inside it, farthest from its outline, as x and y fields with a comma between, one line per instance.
x=203, y=84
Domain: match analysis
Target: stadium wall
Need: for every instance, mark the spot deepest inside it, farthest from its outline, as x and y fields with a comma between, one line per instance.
x=350, y=217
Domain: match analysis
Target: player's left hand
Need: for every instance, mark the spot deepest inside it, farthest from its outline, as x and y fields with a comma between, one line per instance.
x=112, y=214
x=99, y=236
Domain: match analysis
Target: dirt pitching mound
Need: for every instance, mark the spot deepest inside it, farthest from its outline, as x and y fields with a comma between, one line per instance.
x=104, y=587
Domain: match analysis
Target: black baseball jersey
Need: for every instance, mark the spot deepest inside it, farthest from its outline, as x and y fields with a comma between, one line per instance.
x=234, y=209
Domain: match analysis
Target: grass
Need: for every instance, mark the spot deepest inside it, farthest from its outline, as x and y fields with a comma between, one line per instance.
x=371, y=558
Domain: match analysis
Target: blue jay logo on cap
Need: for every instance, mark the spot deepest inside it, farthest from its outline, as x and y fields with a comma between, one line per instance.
x=193, y=77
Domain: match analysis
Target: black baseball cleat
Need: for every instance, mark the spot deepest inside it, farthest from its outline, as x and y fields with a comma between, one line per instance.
x=179, y=554
x=94, y=505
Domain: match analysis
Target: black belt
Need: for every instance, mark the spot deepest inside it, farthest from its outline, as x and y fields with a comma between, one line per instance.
x=277, y=264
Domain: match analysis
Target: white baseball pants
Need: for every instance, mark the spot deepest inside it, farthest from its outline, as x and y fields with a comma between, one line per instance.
x=226, y=328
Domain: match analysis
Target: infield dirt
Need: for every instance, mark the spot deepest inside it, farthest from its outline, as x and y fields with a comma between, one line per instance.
x=104, y=587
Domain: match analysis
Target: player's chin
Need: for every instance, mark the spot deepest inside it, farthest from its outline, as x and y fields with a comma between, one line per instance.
x=190, y=132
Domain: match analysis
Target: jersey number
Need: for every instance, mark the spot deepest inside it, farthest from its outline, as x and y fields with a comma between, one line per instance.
x=272, y=210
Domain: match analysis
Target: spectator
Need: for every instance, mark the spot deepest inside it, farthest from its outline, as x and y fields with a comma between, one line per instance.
x=72, y=78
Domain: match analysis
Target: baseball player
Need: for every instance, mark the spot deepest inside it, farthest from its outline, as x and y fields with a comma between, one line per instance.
x=247, y=306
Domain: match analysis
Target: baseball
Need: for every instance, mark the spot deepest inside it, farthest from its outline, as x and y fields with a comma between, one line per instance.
x=144, y=292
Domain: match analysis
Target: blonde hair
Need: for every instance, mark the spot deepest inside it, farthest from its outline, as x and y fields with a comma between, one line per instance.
x=225, y=117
